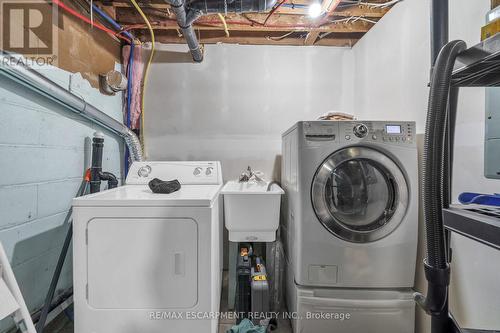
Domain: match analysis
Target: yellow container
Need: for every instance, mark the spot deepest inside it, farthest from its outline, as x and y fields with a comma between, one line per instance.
x=490, y=29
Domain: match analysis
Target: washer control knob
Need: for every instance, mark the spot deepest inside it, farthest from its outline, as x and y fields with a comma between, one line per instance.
x=360, y=130
x=144, y=171
x=197, y=171
x=208, y=171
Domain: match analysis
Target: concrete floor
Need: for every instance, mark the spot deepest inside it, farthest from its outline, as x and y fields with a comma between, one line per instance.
x=225, y=325
x=62, y=324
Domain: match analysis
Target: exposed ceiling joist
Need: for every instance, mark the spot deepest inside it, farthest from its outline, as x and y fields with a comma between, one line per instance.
x=311, y=37
x=249, y=38
x=359, y=10
x=258, y=41
x=329, y=6
x=250, y=22
x=343, y=24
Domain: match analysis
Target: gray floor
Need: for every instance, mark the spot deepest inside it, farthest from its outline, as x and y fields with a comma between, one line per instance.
x=225, y=325
x=62, y=324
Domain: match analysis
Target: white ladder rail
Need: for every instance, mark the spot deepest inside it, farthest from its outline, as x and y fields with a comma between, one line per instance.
x=11, y=300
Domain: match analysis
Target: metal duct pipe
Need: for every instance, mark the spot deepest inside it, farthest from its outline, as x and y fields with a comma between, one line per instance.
x=185, y=19
x=16, y=70
x=439, y=27
x=231, y=6
x=187, y=13
x=439, y=37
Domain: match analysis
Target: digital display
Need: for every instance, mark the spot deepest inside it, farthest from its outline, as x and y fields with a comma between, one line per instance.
x=393, y=129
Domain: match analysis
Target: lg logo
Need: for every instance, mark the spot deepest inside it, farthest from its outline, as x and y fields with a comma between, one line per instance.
x=27, y=27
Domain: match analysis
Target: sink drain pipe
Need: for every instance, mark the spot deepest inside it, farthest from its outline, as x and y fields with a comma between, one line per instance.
x=435, y=189
x=96, y=173
x=15, y=69
x=185, y=19
x=93, y=177
x=187, y=13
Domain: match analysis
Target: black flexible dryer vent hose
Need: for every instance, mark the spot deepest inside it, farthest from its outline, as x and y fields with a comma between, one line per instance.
x=434, y=152
x=436, y=265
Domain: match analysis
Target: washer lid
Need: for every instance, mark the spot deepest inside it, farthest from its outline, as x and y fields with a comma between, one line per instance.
x=141, y=195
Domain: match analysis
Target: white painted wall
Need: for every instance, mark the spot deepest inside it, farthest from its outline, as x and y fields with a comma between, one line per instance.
x=391, y=73
x=392, y=70
x=43, y=158
x=234, y=106
x=392, y=64
x=476, y=268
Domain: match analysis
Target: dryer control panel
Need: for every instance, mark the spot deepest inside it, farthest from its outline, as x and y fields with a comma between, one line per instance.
x=187, y=173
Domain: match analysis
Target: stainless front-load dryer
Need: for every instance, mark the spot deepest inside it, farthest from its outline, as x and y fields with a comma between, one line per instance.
x=351, y=203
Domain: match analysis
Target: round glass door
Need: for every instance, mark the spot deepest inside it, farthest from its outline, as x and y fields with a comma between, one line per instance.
x=359, y=194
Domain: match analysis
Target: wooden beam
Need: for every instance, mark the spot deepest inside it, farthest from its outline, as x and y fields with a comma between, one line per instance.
x=338, y=28
x=329, y=6
x=250, y=22
x=258, y=41
x=333, y=41
x=110, y=10
x=311, y=38
x=495, y=4
x=286, y=27
x=362, y=11
x=160, y=3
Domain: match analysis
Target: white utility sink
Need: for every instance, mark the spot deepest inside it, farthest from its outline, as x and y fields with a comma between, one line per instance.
x=252, y=210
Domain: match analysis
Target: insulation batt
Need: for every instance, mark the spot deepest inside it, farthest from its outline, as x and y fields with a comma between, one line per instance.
x=137, y=74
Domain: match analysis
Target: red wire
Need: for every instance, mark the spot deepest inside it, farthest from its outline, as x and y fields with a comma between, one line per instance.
x=199, y=22
x=87, y=20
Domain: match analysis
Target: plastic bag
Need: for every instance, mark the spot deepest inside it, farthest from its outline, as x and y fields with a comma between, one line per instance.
x=276, y=272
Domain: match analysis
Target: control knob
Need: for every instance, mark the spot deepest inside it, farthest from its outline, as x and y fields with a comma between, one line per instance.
x=144, y=171
x=197, y=171
x=360, y=130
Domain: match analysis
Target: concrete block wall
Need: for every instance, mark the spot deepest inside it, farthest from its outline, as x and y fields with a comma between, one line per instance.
x=44, y=151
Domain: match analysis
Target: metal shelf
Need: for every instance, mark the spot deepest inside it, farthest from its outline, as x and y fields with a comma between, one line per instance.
x=481, y=223
x=479, y=66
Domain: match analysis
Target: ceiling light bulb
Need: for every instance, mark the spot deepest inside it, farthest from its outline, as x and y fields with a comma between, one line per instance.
x=315, y=9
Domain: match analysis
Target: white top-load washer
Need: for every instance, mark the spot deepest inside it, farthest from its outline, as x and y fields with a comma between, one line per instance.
x=351, y=203
x=146, y=262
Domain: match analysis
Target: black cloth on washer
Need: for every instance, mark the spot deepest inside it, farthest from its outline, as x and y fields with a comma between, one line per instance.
x=164, y=186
